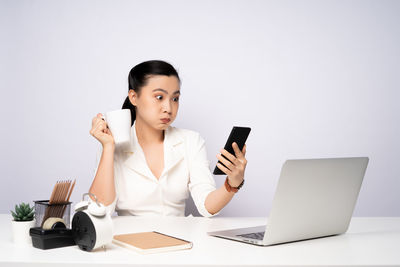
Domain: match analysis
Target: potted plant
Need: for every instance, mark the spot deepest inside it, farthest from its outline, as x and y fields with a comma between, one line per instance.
x=23, y=220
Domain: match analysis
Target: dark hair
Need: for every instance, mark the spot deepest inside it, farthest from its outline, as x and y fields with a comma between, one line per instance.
x=139, y=75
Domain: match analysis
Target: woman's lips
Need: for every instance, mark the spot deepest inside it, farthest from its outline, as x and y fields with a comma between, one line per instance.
x=165, y=120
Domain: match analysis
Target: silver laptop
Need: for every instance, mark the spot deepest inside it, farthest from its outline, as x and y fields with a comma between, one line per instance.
x=314, y=198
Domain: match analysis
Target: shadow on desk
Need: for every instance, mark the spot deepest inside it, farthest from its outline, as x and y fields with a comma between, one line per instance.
x=191, y=208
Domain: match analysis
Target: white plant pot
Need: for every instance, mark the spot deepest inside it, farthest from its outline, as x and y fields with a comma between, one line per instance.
x=20, y=230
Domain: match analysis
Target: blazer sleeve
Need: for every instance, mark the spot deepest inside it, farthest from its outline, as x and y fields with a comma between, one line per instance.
x=201, y=181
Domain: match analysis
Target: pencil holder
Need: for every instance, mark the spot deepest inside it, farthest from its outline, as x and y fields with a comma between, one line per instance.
x=45, y=210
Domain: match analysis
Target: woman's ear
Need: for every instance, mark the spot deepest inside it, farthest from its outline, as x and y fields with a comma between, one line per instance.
x=132, y=97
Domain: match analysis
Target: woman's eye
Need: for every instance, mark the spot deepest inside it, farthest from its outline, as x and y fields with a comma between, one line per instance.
x=176, y=99
x=159, y=97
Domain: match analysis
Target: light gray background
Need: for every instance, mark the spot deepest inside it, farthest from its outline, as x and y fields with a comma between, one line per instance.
x=312, y=78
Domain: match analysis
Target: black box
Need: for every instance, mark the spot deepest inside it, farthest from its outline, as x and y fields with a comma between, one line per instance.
x=53, y=238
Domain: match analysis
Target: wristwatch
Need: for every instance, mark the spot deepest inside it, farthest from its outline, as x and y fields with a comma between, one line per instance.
x=229, y=188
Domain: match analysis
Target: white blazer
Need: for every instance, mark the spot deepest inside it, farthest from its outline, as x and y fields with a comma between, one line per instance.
x=186, y=169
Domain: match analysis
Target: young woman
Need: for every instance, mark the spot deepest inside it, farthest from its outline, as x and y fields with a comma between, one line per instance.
x=163, y=164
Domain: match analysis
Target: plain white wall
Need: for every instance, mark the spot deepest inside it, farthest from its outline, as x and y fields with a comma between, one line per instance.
x=312, y=78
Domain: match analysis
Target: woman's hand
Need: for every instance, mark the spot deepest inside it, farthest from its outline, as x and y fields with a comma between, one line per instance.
x=235, y=166
x=101, y=132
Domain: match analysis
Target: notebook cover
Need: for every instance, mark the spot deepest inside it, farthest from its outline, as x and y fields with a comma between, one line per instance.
x=151, y=242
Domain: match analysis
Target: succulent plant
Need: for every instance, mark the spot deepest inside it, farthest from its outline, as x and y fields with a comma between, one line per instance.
x=23, y=212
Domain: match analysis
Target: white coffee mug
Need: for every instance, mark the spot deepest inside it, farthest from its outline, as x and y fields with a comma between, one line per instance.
x=119, y=123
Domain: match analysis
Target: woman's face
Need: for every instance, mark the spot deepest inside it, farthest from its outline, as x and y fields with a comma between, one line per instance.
x=158, y=102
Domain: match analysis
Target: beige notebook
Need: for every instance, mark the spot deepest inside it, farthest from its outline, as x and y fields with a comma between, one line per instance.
x=151, y=242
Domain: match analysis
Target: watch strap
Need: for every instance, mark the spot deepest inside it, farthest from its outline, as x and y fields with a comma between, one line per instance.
x=229, y=188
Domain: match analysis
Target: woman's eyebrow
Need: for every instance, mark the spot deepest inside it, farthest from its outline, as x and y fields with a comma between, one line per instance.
x=165, y=91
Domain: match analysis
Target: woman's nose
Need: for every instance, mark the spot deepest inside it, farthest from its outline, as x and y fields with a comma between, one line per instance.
x=167, y=106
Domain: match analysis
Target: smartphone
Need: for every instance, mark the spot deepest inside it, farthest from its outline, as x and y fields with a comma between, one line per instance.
x=238, y=135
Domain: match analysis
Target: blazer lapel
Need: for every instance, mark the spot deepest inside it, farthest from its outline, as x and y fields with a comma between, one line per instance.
x=173, y=149
x=135, y=158
x=138, y=163
x=173, y=153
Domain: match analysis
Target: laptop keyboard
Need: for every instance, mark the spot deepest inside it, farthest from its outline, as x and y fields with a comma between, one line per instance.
x=259, y=235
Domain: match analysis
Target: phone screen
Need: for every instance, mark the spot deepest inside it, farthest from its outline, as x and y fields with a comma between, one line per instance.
x=238, y=135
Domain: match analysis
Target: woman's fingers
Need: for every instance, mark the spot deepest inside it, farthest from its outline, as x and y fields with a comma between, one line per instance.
x=240, y=155
x=234, y=166
x=236, y=161
x=97, y=119
x=100, y=130
x=107, y=131
x=226, y=162
x=99, y=126
x=224, y=169
x=237, y=151
x=96, y=130
x=229, y=156
x=98, y=116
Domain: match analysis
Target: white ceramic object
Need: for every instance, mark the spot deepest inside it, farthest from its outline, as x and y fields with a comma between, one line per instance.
x=20, y=231
x=91, y=224
x=119, y=123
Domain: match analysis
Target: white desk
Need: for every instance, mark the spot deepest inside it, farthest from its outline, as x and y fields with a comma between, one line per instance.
x=369, y=241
